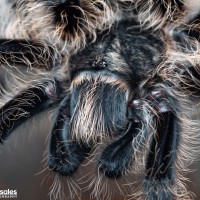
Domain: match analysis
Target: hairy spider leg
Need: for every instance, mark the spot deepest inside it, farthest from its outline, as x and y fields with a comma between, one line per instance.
x=194, y=30
x=160, y=165
x=25, y=52
x=25, y=105
x=65, y=154
x=186, y=41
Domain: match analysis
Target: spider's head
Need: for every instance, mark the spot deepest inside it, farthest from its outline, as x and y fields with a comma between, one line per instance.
x=106, y=75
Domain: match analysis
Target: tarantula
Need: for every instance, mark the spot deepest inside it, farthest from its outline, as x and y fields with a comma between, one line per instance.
x=121, y=72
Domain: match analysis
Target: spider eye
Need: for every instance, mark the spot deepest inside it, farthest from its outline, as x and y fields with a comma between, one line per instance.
x=101, y=64
x=94, y=64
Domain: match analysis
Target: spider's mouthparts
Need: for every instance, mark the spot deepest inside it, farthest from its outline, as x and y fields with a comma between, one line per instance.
x=98, y=106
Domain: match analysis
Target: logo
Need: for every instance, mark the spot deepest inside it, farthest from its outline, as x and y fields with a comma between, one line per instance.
x=8, y=194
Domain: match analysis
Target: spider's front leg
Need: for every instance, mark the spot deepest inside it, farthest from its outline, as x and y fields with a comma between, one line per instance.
x=160, y=165
x=161, y=158
x=36, y=54
x=28, y=103
x=65, y=154
x=184, y=69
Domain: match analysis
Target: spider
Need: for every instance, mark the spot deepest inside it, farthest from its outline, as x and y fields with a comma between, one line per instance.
x=121, y=73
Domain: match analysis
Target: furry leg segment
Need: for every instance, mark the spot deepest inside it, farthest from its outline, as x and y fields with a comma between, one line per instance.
x=74, y=14
x=160, y=12
x=65, y=154
x=192, y=28
x=187, y=37
x=28, y=103
x=188, y=33
x=29, y=53
x=160, y=164
x=190, y=77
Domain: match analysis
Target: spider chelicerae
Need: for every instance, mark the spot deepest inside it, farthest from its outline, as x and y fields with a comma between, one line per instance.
x=121, y=73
